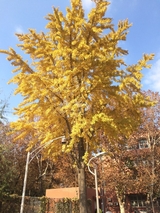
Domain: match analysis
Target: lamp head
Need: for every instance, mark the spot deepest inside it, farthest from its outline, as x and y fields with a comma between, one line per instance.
x=63, y=140
x=99, y=154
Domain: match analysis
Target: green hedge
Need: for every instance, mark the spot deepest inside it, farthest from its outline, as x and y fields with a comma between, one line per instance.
x=11, y=204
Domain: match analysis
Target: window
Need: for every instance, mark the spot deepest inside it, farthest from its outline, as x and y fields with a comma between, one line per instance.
x=131, y=147
x=137, y=200
x=143, y=143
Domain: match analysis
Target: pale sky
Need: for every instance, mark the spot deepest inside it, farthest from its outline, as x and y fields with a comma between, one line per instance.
x=144, y=35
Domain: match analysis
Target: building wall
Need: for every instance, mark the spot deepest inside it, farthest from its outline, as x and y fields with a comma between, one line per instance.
x=63, y=193
x=107, y=202
x=72, y=192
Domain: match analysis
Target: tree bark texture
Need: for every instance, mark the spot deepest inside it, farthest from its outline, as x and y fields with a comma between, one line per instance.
x=121, y=201
x=82, y=179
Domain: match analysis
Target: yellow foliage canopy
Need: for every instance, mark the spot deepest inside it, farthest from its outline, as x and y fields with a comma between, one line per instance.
x=77, y=83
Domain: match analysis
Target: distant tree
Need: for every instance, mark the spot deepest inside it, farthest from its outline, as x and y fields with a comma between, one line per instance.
x=48, y=173
x=3, y=106
x=149, y=140
x=77, y=84
x=118, y=172
x=42, y=174
x=65, y=172
x=7, y=169
x=133, y=165
x=5, y=172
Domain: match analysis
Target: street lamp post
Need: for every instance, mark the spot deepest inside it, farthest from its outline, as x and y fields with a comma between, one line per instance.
x=95, y=175
x=28, y=160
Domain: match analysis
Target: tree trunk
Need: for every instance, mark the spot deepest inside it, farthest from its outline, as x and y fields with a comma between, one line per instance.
x=82, y=190
x=121, y=201
x=153, y=175
x=122, y=208
x=152, y=204
x=82, y=179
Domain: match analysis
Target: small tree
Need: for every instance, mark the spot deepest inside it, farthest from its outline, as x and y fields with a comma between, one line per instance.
x=119, y=171
x=3, y=106
x=133, y=166
x=7, y=169
x=77, y=84
x=149, y=138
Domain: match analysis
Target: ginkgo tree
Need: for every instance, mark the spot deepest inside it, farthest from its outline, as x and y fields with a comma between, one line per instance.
x=77, y=84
